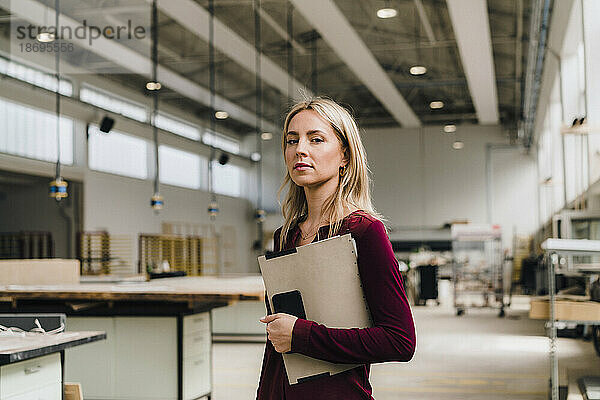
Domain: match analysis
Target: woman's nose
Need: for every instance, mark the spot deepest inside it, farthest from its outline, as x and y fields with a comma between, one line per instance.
x=301, y=147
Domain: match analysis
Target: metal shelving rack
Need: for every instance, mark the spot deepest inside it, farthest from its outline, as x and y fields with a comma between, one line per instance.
x=477, y=267
x=566, y=247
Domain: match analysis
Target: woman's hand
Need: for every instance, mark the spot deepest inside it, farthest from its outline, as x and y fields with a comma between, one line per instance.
x=279, y=330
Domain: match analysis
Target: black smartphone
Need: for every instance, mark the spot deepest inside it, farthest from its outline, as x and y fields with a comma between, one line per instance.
x=289, y=303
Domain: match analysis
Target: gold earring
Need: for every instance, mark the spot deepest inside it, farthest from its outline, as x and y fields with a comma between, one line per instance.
x=342, y=171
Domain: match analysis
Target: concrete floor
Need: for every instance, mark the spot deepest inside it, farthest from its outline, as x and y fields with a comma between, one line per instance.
x=475, y=356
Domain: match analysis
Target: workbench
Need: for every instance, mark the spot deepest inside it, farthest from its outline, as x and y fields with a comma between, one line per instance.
x=32, y=364
x=159, y=341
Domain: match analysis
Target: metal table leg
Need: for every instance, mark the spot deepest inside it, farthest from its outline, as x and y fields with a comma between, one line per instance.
x=552, y=261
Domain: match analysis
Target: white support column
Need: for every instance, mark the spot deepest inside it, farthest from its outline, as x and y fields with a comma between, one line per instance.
x=591, y=31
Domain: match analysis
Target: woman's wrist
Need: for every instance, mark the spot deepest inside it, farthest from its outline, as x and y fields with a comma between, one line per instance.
x=301, y=335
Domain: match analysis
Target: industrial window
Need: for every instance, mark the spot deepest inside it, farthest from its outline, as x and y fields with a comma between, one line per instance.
x=179, y=168
x=31, y=133
x=227, y=179
x=34, y=77
x=113, y=103
x=117, y=153
x=221, y=142
x=576, y=151
x=177, y=127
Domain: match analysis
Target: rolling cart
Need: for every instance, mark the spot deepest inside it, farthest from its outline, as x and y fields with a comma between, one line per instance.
x=477, y=267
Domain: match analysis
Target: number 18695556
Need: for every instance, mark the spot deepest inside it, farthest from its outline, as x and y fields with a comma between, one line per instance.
x=46, y=47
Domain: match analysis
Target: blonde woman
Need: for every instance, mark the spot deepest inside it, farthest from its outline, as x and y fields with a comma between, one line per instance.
x=329, y=194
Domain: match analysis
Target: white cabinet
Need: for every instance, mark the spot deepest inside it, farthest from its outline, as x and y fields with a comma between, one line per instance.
x=241, y=318
x=52, y=391
x=197, y=345
x=35, y=379
x=145, y=358
x=140, y=359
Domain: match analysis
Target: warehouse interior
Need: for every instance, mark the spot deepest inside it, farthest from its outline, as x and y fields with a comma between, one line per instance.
x=140, y=172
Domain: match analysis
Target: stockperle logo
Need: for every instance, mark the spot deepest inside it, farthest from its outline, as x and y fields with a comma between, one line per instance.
x=84, y=31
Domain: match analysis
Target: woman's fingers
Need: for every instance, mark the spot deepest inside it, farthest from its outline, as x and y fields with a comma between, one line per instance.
x=269, y=318
x=264, y=319
x=279, y=330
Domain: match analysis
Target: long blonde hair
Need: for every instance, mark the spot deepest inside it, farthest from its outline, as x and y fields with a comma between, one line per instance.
x=354, y=185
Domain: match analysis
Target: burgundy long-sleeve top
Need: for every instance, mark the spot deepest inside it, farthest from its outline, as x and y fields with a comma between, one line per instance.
x=392, y=337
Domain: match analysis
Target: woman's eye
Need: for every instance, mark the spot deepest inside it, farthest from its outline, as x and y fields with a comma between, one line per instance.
x=317, y=140
x=292, y=141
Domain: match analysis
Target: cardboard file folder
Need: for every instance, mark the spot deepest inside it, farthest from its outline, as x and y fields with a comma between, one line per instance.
x=319, y=282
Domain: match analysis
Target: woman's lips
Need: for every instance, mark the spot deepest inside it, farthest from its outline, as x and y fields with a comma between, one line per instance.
x=301, y=166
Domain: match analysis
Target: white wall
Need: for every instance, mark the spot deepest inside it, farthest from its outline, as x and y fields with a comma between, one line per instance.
x=419, y=180
x=410, y=189
x=121, y=205
x=514, y=195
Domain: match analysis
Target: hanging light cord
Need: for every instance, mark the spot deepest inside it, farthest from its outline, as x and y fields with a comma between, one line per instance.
x=212, y=72
x=57, y=67
x=38, y=329
x=290, y=50
x=155, y=92
x=257, y=41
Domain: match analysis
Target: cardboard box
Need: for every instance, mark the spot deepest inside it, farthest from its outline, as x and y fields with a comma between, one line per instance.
x=54, y=271
x=73, y=391
x=565, y=310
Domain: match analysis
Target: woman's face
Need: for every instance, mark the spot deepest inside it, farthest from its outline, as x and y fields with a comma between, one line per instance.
x=313, y=153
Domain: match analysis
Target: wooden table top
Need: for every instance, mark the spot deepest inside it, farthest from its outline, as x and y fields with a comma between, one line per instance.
x=190, y=289
x=18, y=347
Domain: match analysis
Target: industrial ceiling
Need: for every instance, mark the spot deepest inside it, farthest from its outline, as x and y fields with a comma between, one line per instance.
x=474, y=53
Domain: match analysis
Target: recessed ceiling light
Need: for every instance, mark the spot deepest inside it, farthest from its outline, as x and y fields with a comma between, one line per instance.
x=387, y=12
x=451, y=128
x=255, y=156
x=45, y=37
x=457, y=145
x=436, y=105
x=221, y=115
x=266, y=136
x=418, y=70
x=153, y=85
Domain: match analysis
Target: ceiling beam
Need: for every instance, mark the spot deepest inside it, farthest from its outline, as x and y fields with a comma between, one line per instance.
x=196, y=19
x=137, y=63
x=470, y=22
x=412, y=46
x=281, y=32
x=425, y=20
x=335, y=29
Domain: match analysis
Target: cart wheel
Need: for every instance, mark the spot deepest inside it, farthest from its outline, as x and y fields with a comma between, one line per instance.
x=459, y=312
x=502, y=313
x=596, y=338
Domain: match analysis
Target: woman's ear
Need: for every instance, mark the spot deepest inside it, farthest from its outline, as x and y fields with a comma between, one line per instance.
x=346, y=157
